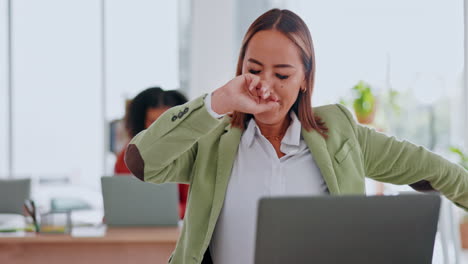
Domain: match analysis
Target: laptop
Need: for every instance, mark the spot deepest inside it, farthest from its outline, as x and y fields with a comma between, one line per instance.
x=347, y=229
x=131, y=202
x=13, y=194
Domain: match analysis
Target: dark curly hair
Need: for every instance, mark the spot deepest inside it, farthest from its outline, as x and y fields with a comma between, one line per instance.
x=153, y=97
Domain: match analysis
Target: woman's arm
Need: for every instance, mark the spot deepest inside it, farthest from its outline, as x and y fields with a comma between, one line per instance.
x=389, y=160
x=165, y=152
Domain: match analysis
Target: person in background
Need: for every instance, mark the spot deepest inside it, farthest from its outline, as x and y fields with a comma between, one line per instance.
x=142, y=111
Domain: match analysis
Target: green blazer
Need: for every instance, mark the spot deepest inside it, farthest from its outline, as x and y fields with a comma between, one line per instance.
x=187, y=145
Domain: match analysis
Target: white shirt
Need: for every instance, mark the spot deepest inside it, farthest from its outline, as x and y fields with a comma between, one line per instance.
x=258, y=172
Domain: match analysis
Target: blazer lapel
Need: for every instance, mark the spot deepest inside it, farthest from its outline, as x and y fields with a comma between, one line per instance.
x=228, y=145
x=318, y=148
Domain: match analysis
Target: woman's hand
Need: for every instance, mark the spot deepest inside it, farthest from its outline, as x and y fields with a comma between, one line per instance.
x=246, y=93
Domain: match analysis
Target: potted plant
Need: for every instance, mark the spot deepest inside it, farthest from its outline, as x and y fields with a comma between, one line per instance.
x=463, y=157
x=464, y=221
x=365, y=103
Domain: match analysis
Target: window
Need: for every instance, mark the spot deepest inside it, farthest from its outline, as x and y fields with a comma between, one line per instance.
x=3, y=90
x=414, y=48
x=56, y=92
x=58, y=119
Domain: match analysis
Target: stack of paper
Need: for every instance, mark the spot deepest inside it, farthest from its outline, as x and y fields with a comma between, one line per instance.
x=12, y=224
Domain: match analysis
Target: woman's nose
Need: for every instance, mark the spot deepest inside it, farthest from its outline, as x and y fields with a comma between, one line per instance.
x=268, y=89
x=267, y=78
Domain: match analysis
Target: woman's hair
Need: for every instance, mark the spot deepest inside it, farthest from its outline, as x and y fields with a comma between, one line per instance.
x=153, y=97
x=294, y=28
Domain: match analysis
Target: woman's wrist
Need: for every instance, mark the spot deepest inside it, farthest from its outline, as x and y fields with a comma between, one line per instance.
x=207, y=101
x=220, y=102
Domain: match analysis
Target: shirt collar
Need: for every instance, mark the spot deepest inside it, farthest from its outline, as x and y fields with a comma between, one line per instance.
x=291, y=138
x=250, y=132
x=293, y=134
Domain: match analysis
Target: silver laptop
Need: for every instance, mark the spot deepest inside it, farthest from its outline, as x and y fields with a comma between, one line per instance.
x=347, y=229
x=131, y=202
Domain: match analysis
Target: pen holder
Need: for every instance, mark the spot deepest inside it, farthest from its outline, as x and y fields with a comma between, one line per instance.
x=56, y=222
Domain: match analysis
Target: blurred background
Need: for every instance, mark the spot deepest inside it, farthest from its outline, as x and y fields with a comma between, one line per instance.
x=68, y=68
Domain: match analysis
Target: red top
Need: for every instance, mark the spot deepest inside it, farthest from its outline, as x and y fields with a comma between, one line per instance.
x=121, y=168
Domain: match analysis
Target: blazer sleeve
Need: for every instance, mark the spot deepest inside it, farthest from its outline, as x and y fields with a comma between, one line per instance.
x=165, y=152
x=387, y=159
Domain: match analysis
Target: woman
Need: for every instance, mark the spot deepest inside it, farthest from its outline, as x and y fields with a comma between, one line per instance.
x=258, y=135
x=144, y=110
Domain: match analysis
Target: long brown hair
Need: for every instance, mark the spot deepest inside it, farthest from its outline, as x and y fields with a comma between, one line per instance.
x=293, y=27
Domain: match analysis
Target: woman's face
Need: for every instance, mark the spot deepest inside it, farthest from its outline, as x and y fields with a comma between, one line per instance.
x=152, y=114
x=275, y=58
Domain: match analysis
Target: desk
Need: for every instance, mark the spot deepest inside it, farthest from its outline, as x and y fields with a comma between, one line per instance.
x=118, y=245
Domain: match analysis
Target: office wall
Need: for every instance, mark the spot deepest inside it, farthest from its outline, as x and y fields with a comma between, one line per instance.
x=246, y=11
x=141, y=49
x=217, y=30
x=212, y=45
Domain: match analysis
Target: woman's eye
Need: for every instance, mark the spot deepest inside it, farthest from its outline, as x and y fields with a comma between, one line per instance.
x=282, y=77
x=254, y=71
